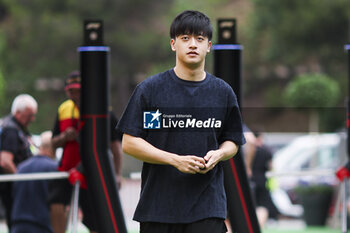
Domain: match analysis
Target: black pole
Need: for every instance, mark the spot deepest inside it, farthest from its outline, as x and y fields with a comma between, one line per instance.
x=228, y=56
x=94, y=67
x=228, y=66
x=347, y=47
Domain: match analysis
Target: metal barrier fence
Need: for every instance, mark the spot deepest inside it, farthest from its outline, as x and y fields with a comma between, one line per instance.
x=323, y=172
x=73, y=212
x=34, y=176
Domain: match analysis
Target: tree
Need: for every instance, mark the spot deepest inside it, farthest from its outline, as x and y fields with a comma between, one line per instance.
x=39, y=40
x=286, y=38
x=313, y=92
x=2, y=88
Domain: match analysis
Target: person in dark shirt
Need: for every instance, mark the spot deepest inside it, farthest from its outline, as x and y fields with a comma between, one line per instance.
x=182, y=123
x=30, y=209
x=261, y=164
x=15, y=143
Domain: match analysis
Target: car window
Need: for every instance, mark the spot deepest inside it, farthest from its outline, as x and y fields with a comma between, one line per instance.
x=327, y=158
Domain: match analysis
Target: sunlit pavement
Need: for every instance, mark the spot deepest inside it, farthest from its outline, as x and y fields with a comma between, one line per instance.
x=129, y=195
x=289, y=224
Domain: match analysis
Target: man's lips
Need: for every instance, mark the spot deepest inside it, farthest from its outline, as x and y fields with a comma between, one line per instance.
x=192, y=53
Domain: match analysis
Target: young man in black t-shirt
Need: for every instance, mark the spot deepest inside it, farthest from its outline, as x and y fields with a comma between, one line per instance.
x=182, y=123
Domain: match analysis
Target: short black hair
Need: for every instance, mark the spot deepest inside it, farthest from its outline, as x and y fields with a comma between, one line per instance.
x=191, y=22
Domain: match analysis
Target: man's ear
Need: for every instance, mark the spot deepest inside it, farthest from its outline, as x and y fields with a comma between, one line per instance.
x=209, y=46
x=172, y=44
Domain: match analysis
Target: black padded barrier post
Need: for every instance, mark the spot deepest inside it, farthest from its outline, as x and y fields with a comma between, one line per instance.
x=228, y=66
x=94, y=67
x=347, y=48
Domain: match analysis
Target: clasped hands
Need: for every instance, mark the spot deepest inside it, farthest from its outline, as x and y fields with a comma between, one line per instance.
x=192, y=164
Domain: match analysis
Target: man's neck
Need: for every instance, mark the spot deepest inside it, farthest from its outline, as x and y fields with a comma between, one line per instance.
x=189, y=74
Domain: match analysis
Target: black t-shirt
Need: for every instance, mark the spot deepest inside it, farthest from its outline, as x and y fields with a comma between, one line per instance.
x=14, y=140
x=186, y=118
x=10, y=140
x=261, y=161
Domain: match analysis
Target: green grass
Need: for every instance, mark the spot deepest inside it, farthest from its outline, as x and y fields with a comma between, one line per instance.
x=79, y=231
x=306, y=230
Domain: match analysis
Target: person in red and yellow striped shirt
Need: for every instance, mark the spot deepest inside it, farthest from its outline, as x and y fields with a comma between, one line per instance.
x=65, y=135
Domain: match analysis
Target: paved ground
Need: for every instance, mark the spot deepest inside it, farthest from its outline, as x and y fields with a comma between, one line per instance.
x=129, y=195
x=280, y=226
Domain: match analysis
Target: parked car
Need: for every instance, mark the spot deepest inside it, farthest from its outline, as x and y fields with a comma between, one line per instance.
x=307, y=160
x=315, y=153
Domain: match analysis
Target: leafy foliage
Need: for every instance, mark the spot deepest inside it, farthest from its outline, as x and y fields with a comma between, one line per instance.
x=312, y=90
x=317, y=94
x=286, y=29
x=38, y=41
x=287, y=38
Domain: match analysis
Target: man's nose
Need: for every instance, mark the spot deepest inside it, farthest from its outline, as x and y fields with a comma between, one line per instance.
x=32, y=118
x=193, y=42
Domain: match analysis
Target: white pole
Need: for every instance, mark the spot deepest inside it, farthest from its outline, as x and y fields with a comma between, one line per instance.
x=345, y=209
x=75, y=207
x=325, y=172
x=34, y=176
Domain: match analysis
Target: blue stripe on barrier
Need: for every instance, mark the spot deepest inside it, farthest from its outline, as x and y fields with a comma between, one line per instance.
x=93, y=49
x=227, y=47
x=347, y=47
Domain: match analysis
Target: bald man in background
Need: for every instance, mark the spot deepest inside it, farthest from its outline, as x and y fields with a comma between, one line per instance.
x=30, y=210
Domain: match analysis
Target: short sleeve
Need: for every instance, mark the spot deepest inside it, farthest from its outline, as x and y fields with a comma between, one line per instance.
x=232, y=128
x=9, y=140
x=131, y=121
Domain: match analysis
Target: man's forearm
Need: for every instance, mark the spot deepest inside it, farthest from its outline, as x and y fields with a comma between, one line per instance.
x=6, y=162
x=58, y=141
x=69, y=134
x=249, y=150
x=142, y=150
x=228, y=150
x=117, y=156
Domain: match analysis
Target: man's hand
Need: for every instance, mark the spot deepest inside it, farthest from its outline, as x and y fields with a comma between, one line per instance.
x=119, y=180
x=6, y=162
x=226, y=151
x=60, y=140
x=70, y=134
x=190, y=164
x=212, y=158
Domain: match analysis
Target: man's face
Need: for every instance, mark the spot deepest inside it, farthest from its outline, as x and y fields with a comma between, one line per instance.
x=26, y=116
x=74, y=94
x=191, y=49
